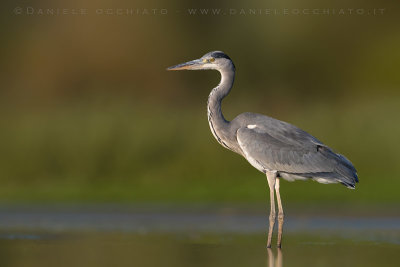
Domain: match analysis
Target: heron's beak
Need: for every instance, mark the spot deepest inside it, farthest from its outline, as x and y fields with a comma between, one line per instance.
x=191, y=65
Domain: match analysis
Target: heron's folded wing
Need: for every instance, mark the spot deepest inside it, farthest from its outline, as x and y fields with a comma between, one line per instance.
x=284, y=153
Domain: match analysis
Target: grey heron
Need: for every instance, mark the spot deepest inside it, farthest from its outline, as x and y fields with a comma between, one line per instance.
x=276, y=148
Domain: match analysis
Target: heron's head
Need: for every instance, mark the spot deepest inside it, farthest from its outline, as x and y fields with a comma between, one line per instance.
x=213, y=60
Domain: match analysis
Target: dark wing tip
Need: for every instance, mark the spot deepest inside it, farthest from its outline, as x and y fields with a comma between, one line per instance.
x=348, y=185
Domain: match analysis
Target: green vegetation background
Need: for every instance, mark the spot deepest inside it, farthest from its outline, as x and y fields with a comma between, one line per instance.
x=89, y=114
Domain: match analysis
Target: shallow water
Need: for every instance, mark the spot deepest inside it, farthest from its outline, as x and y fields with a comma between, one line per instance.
x=109, y=237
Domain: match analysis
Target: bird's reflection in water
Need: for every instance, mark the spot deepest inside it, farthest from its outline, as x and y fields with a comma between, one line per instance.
x=272, y=262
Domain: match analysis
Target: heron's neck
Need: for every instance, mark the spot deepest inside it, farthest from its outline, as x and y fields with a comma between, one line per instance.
x=216, y=119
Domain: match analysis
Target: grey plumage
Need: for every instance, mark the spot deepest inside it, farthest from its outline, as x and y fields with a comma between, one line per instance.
x=274, y=147
x=294, y=153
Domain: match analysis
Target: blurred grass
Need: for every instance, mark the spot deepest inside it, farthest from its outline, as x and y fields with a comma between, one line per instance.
x=118, y=150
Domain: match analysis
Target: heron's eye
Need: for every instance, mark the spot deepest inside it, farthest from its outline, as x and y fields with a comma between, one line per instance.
x=208, y=60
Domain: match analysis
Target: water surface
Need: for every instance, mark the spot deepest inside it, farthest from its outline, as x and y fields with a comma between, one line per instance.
x=114, y=237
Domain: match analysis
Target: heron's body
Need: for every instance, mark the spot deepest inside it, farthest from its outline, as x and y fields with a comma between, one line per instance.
x=274, y=147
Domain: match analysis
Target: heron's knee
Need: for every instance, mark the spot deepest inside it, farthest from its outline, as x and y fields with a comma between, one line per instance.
x=281, y=216
x=272, y=217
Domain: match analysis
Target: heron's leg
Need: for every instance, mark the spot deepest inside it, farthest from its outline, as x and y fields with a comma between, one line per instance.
x=271, y=177
x=280, y=213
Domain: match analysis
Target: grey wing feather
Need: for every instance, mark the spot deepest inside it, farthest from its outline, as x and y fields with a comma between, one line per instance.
x=290, y=150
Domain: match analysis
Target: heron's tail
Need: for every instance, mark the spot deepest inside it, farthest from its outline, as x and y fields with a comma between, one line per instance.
x=343, y=170
x=347, y=172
